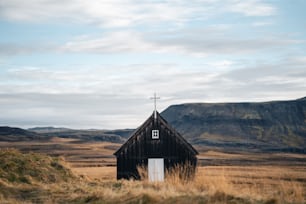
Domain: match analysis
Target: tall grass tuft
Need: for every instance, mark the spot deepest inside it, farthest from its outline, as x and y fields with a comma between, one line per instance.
x=143, y=172
x=180, y=173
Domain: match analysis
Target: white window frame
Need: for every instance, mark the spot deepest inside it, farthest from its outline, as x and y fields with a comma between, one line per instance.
x=155, y=134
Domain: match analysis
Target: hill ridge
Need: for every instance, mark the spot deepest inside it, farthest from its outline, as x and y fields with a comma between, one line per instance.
x=264, y=125
x=14, y=134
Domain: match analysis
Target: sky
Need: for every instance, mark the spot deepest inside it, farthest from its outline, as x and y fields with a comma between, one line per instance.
x=96, y=63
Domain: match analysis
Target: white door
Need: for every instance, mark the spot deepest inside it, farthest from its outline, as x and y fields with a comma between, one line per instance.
x=156, y=169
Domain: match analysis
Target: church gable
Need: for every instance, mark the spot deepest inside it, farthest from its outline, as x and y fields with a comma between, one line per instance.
x=157, y=146
x=155, y=133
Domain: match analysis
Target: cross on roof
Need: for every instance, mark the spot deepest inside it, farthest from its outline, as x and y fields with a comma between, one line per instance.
x=155, y=98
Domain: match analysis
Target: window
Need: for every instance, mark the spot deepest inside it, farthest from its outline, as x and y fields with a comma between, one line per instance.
x=155, y=134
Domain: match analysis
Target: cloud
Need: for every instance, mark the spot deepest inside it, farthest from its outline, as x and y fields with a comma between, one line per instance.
x=213, y=44
x=111, y=13
x=118, y=96
x=168, y=24
x=196, y=42
x=262, y=23
x=124, y=41
x=122, y=13
x=228, y=57
x=190, y=42
x=267, y=81
x=105, y=79
x=104, y=101
x=71, y=110
x=8, y=49
x=252, y=8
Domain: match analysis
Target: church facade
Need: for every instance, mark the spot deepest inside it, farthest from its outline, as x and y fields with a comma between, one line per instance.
x=158, y=147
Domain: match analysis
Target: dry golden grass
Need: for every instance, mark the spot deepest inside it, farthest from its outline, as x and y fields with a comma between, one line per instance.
x=78, y=154
x=282, y=184
x=96, y=173
x=211, y=185
x=271, y=178
x=236, y=184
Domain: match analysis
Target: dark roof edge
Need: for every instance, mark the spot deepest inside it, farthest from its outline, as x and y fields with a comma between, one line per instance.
x=134, y=133
x=178, y=135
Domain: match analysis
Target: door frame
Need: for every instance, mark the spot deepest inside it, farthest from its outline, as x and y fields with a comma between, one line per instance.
x=156, y=169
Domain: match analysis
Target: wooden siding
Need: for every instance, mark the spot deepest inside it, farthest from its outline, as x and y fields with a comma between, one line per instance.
x=140, y=146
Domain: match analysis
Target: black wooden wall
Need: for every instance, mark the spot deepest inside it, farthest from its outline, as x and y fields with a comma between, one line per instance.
x=141, y=146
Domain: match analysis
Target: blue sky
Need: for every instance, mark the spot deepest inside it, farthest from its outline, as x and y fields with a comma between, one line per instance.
x=95, y=64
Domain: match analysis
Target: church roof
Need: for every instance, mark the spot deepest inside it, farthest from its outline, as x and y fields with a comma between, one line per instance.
x=166, y=124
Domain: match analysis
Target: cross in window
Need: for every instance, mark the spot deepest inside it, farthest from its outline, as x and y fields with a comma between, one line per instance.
x=155, y=134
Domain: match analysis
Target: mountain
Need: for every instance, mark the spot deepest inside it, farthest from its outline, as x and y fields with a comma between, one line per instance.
x=47, y=129
x=264, y=126
x=275, y=125
x=124, y=133
x=117, y=136
x=12, y=134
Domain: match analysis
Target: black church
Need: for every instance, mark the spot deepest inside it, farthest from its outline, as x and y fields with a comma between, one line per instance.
x=157, y=146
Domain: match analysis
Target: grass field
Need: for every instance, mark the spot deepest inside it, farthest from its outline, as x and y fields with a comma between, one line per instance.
x=263, y=184
x=79, y=154
x=97, y=154
x=225, y=184
x=222, y=177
